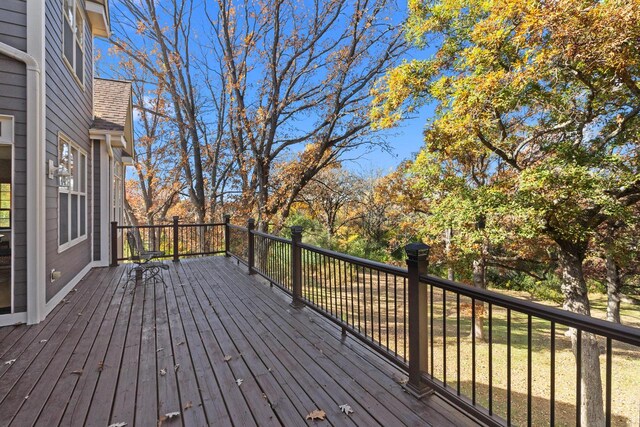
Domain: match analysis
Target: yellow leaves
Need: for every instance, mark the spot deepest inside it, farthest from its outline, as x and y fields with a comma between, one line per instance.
x=407, y=83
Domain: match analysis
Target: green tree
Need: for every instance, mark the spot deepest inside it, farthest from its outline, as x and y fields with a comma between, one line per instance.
x=549, y=94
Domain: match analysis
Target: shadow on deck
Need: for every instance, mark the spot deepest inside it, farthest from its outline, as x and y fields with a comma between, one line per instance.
x=114, y=353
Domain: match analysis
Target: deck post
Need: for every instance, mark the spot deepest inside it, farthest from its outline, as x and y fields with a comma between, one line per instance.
x=251, y=224
x=227, y=236
x=296, y=266
x=176, y=251
x=417, y=263
x=114, y=243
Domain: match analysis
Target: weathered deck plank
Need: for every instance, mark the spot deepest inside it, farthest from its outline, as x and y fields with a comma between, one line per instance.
x=291, y=361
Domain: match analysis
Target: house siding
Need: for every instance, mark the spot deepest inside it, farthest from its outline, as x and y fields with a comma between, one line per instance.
x=69, y=110
x=13, y=23
x=13, y=102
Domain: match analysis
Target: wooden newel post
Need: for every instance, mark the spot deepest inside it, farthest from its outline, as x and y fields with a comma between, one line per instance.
x=417, y=263
x=176, y=249
x=114, y=243
x=227, y=235
x=296, y=266
x=251, y=224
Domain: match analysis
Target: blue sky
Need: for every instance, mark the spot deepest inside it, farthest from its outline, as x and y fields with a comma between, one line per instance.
x=401, y=143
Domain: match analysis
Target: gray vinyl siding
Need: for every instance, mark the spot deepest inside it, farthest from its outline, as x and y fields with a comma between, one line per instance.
x=69, y=110
x=13, y=102
x=13, y=23
x=96, y=200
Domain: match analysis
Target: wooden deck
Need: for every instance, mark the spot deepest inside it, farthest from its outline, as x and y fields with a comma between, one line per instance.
x=114, y=353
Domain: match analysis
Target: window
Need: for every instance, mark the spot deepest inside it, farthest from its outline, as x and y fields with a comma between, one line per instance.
x=73, y=37
x=72, y=204
x=5, y=205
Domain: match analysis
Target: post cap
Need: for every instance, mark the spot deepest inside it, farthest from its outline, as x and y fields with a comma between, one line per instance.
x=417, y=249
x=226, y=217
x=296, y=229
x=251, y=221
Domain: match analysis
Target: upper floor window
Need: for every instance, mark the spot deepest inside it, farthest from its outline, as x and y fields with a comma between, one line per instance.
x=73, y=37
x=72, y=207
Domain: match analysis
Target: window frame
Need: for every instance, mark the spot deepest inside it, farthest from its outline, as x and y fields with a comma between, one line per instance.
x=79, y=193
x=10, y=200
x=71, y=65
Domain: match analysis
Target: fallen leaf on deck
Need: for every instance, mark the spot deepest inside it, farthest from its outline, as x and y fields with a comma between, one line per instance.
x=80, y=314
x=100, y=366
x=175, y=368
x=317, y=414
x=117, y=425
x=346, y=409
x=75, y=290
x=239, y=381
x=227, y=358
x=188, y=405
x=181, y=342
x=43, y=341
x=160, y=349
x=27, y=396
x=163, y=372
x=78, y=372
x=166, y=417
x=10, y=362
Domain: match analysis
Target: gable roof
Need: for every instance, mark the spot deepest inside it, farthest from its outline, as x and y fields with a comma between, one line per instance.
x=111, y=104
x=113, y=112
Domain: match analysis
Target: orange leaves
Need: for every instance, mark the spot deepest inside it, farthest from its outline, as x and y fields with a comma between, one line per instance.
x=316, y=414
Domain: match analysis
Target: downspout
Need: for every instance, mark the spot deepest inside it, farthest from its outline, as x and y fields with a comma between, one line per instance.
x=36, y=291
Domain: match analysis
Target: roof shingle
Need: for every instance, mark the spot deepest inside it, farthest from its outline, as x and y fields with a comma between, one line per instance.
x=111, y=101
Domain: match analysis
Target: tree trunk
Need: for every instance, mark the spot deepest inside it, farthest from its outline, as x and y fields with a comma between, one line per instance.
x=576, y=300
x=614, y=284
x=479, y=281
x=448, y=236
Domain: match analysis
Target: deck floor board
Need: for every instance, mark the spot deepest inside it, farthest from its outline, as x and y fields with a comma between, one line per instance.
x=137, y=353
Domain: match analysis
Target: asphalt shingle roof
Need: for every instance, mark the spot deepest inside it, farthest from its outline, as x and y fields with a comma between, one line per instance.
x=111, y=100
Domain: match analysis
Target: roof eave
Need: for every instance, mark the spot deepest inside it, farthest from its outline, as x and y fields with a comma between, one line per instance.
x=98, y=15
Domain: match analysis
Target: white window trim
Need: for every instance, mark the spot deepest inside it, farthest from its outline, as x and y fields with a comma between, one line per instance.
x=76, y=8
x=73, y=242
x=7, y=139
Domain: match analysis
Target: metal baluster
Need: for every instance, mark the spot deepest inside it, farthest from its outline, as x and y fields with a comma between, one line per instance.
x=473, y=351
x=490, y=359
x=608, y=383
x=529, y=369
x=508, y=366
x=458, y=342
x=444, y=337
x=552, y=377
x=578, y=376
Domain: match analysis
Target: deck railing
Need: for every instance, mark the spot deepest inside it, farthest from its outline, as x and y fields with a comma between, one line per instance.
x=176, y=240
x=506, y=361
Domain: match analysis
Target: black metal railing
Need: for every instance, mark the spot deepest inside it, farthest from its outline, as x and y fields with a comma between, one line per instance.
x=176, y=240
x=506, y=361
x=272, y=259
x=238, y=243
x=365, y=298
